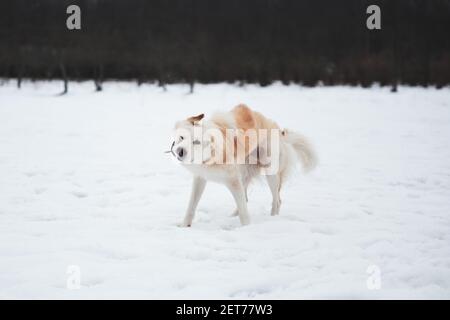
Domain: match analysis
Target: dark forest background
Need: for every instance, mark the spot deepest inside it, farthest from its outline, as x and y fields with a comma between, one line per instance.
x=249, y=41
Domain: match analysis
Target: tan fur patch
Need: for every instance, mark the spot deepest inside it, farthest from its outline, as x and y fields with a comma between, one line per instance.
x=195, y=119
x=244, y=117
x=247, y=119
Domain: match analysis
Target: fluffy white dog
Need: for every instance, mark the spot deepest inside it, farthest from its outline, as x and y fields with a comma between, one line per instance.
x=234, y=147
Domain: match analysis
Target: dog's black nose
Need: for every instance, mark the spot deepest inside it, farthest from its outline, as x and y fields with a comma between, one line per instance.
x=181, y=153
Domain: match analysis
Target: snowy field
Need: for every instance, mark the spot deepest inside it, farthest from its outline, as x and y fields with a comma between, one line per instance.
x=84, y=181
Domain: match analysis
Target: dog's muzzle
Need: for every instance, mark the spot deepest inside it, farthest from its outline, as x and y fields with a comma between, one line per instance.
x=180, y=153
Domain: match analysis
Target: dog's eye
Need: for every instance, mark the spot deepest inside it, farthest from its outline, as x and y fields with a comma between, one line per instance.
x=181, y=138
x=196, y=142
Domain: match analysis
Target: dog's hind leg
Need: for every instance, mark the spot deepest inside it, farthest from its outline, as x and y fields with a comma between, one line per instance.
x=198, y=186
x=246, y=183
x=238, y=191
x=274, y=182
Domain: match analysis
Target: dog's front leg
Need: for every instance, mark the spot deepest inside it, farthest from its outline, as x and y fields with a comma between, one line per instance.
x=237, y=190
x=198, y=185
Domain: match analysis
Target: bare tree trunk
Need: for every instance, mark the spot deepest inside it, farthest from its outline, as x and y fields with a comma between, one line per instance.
x=191, y=87
x=99, y=79
x=396, y=53
x=162, y=84
x=64, y=76
x=394, y=86
x=19, y=77
x=98, y=85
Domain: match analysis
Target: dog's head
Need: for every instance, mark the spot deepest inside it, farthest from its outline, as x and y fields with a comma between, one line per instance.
x=190, y=144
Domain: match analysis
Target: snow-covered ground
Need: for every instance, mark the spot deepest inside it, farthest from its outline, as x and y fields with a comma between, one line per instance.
x=84, y=182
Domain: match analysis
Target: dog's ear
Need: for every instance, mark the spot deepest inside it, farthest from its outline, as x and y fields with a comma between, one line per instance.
x=195, y=119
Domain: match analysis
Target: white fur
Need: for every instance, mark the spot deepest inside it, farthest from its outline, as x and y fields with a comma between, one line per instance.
x=236, y=177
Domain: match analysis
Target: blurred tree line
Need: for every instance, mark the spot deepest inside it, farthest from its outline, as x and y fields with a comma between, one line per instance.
x=250, y=41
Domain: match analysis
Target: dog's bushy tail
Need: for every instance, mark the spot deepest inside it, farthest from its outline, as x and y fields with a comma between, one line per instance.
x=303, y=149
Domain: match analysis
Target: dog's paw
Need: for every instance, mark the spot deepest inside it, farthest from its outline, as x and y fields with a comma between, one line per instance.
x=275, y=212
x=245, y=220
x=184, y=225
